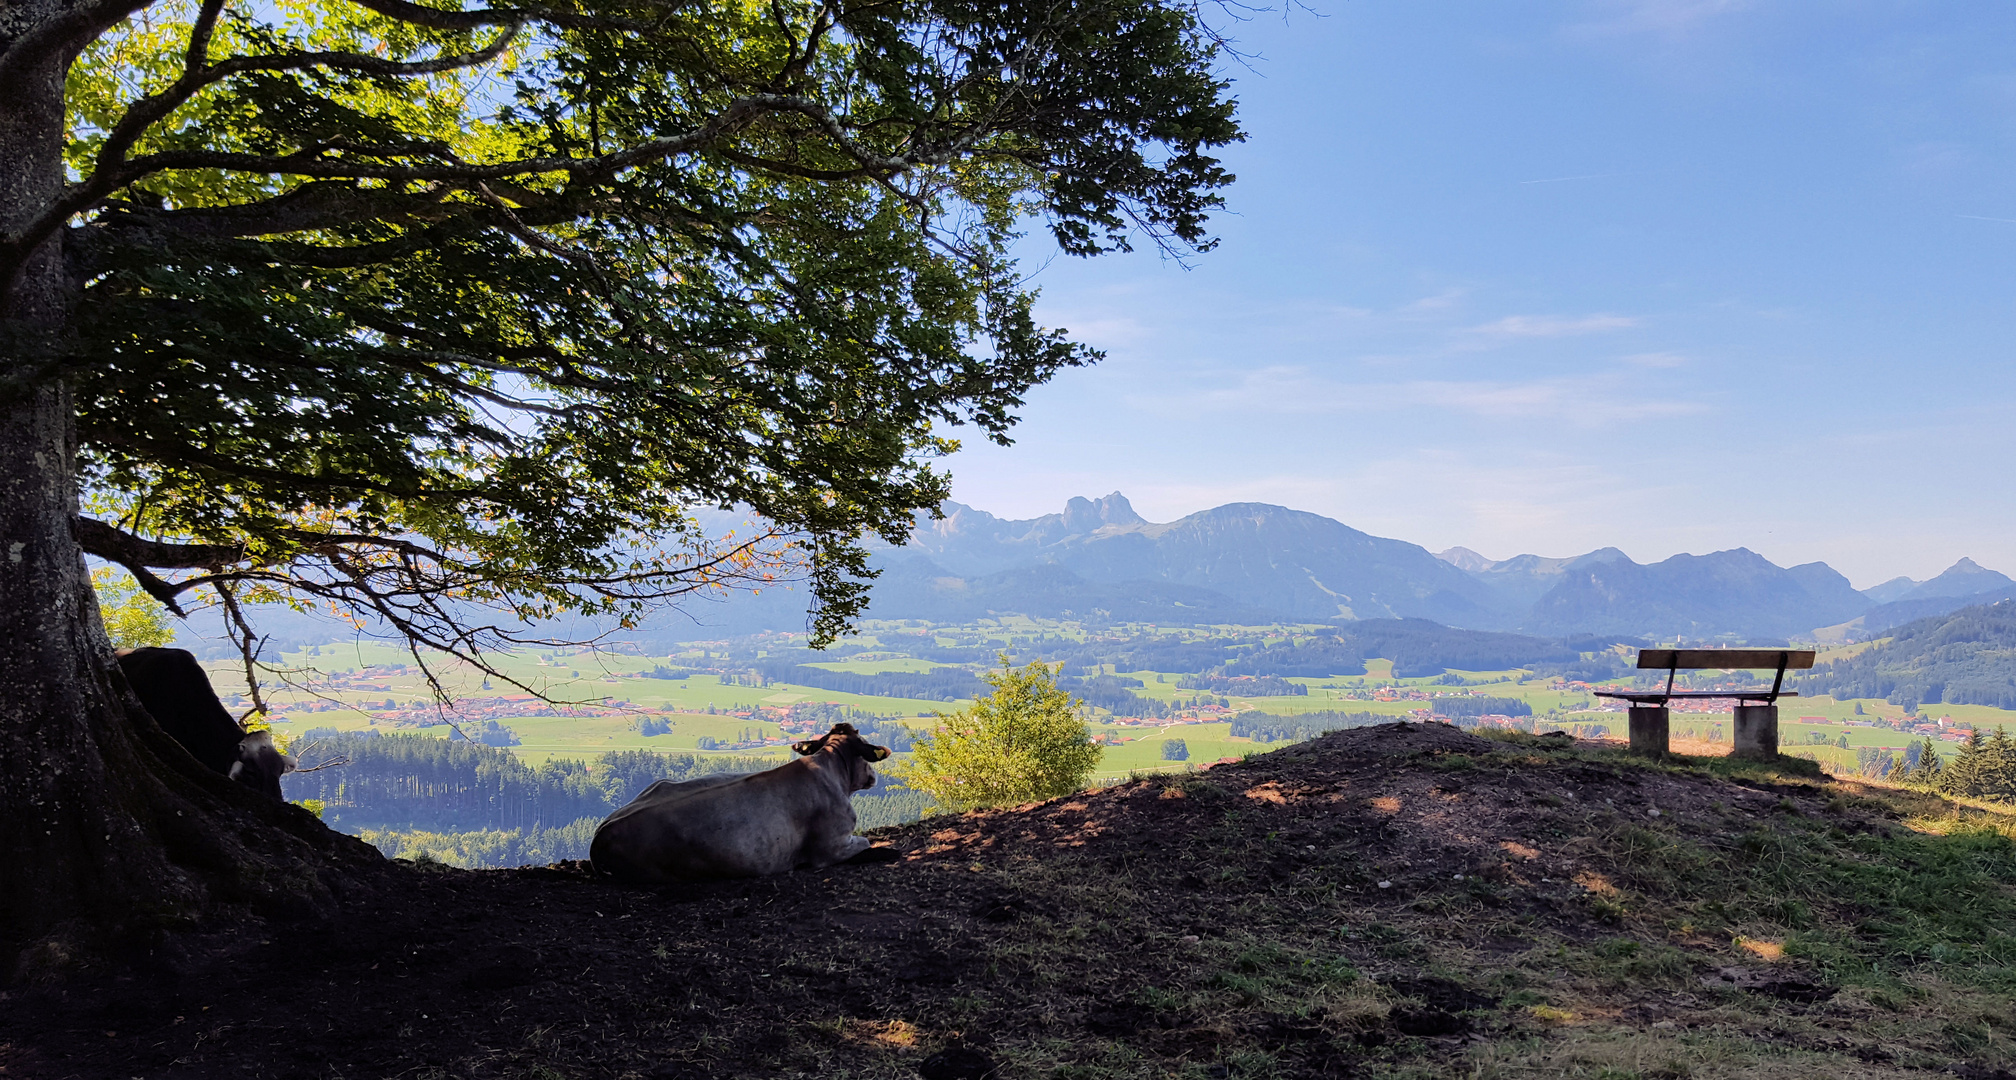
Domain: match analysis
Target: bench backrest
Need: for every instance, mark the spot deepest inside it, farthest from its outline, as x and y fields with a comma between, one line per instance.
x=1698, y=659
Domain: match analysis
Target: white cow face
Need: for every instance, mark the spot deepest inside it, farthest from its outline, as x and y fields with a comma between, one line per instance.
x=850, y=750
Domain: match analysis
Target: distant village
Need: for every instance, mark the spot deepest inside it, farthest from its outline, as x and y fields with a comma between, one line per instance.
x=811, y=718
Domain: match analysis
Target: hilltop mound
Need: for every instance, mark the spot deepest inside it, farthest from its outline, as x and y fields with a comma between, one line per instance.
x=1398, y=900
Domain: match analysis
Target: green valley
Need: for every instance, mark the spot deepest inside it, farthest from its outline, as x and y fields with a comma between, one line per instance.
x=1224, y=692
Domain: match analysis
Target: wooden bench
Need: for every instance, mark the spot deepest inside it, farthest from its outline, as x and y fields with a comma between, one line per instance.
x=1756, y=728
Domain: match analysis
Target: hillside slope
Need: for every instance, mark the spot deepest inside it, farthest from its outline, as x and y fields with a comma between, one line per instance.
x=1962, y=579
x=1967, y=657
x=1405, y=900
x=1878, y=621
x=1735, y=591
x=921, y=589
x=1297, y=564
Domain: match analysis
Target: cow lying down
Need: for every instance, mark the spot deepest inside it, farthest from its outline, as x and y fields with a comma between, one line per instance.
x=177, y=693
x=797, y=815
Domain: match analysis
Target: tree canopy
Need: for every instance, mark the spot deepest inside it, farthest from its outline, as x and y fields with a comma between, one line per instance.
x=458, y=317
x=412, y=310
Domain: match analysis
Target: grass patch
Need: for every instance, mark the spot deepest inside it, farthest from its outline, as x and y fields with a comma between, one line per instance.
x=1859, y=906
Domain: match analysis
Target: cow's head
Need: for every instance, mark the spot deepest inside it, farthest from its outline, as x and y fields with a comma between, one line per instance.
x=851, y=750
x=260, y=764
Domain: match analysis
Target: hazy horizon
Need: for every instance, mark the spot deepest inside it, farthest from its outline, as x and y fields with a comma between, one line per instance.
x=1666, y=276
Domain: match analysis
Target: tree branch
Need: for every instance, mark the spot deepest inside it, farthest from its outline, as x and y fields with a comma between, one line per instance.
x=189, y=455
x=67, y=32
x=324, y=204
x=114, y=170
x=783, y=168
x=441, y=19
x=149, y=110
x=243, y=636
x=199, y=37
x=427, y=598
x=315, y=162
x=117, y=545
x=137, y=555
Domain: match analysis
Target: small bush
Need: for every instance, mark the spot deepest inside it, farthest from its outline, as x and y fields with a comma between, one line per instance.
x=1021, y=743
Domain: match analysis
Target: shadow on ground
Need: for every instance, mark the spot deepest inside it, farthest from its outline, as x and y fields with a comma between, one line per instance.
x=1405, y=900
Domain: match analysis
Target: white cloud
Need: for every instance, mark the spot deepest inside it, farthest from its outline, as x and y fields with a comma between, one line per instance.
x=1106, y=332
x=1590, y=400
x=1550, y=326
x=1664, y=18
x=1566, y=179
x=1594, y=400
x=1936, y=159
x=1655, y=360
x=1441, y=301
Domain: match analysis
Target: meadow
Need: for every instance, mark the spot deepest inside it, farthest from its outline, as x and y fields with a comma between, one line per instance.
x=609, y=692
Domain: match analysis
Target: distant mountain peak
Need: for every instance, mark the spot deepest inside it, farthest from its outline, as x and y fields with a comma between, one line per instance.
x=1894, y=589
x=1963, y=578
x=1543, y=567
x=1090, y=515
x=1463, y=558
x=1256, y=510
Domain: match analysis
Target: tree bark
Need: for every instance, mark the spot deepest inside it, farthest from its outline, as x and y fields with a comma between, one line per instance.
x=110, y=833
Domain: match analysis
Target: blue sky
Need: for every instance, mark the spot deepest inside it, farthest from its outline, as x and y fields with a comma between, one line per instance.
x=1669, y=275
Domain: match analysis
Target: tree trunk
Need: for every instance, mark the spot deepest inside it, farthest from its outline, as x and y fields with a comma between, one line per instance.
x=110, y=833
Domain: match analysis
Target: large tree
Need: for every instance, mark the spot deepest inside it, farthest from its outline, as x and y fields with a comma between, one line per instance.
x=419, y=311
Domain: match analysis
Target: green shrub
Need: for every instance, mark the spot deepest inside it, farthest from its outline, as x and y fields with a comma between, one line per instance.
x=1021, y=743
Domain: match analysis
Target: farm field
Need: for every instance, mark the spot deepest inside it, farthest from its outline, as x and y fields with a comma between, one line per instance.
x=721, y=707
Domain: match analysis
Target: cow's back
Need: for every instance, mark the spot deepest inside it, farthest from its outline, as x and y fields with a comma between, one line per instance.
x=716, y=827
x=177, y=694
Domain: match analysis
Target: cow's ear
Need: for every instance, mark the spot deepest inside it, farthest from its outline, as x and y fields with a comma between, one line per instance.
x=809, y=746
x=877, y=753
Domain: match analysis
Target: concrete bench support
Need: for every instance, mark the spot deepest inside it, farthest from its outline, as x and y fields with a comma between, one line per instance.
x=1649, y=730
x=1756, y=731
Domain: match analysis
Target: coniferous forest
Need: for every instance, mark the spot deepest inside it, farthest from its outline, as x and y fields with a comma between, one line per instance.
x=1965, y=658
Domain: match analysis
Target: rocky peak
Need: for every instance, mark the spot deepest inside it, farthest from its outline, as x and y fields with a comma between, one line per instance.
x=1083, y=515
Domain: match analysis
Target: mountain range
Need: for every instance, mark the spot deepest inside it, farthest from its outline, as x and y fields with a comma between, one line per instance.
x=1099, y=558
x=1253, y=563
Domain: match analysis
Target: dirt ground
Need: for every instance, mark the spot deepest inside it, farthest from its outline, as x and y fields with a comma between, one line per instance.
x=1405, y=900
